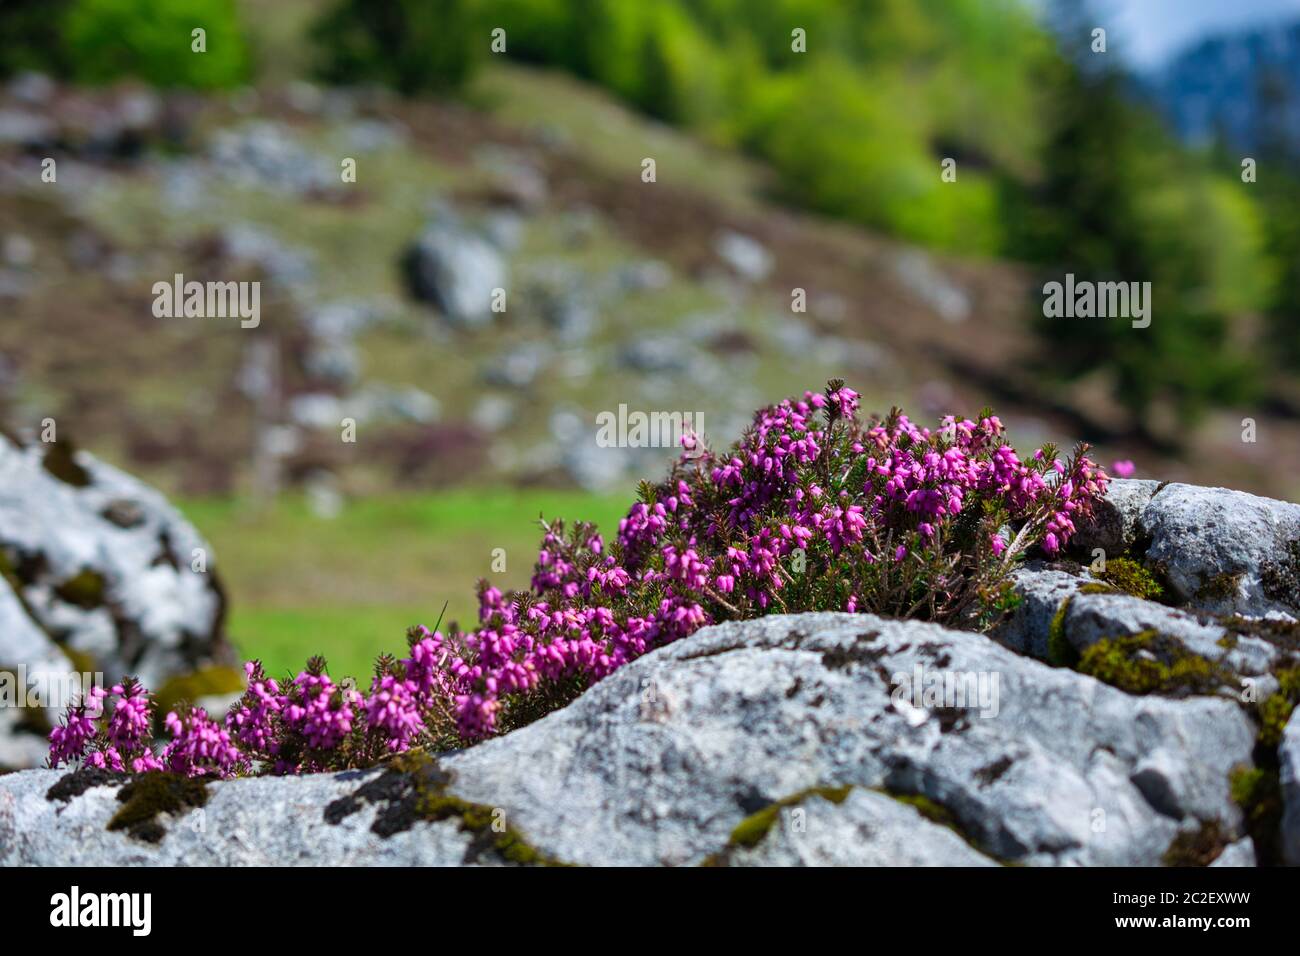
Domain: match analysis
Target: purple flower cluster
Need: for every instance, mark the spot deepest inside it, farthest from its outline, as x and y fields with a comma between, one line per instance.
x=810, y=510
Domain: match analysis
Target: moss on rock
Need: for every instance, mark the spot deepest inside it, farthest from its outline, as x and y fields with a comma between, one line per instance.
x=1060, y=652
x=85, y=589
x=148, y=795
x=1225, y=586
x=1150, y=662
x=413, y=788
x=1258, y=791
x=752, y=830
x=1131, y=577
x=61, y=462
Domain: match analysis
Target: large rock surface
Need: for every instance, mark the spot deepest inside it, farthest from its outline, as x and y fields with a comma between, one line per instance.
x=662, y=761
x=1220, y=551
x=96, y=568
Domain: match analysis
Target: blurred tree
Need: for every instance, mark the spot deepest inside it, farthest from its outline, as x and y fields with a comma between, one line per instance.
x=104, y=40
x=412, y=45
x=1120, y=201
x=1279, y=189
x=31, y=40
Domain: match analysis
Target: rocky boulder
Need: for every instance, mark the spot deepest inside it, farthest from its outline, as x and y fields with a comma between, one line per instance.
x=819, y=739
x=457, y=270
x=98, y=574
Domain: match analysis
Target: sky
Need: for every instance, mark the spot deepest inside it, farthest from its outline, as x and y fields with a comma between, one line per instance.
x=1147, y=32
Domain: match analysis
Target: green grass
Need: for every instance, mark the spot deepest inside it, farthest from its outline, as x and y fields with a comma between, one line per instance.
x=613, y=136
x=348, y=637
x=348, y=587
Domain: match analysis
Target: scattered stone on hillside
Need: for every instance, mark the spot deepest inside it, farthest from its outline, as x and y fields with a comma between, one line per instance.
x=746, y=256
x=654, y=353
x=31, y=88
x=26, y=130
x=650, y=275
x=504, y=229
x=268, y=155
x=457, y=270
x=518, y=366
x=375, y=403
x=372, y=135
x=668, y=761
x=919, y=274
x=561, y=295
x=96, y=572
x=17, y=250
x=514, y=179
x=286, y=265
x=493, y=412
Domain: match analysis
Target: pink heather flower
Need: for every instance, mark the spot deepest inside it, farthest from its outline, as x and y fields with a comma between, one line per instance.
x=68, y=741
x=392, y=710
x=1124, y=468
x=129, y=727
x=199, y=746
x=320, y=711
x=999, y=545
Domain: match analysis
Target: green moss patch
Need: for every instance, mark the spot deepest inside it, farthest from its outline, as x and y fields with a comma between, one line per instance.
x=752, y=830
x=413, y=787
x=60, y=461
x=1258, y=791
x=1060, y=652
x=1131, y=577
x=1274, y=711
x=85, y=589
x=149, y=795
x=1281, y=579
x=1153, y=663
x=1284, y=635
x=1225, y=586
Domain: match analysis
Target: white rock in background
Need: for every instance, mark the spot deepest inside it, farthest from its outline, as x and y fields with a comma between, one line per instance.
x=457, y=270
x=102, y=568
x=746, y=256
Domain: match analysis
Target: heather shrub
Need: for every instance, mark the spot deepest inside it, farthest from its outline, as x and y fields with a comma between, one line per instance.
x=810, y=510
